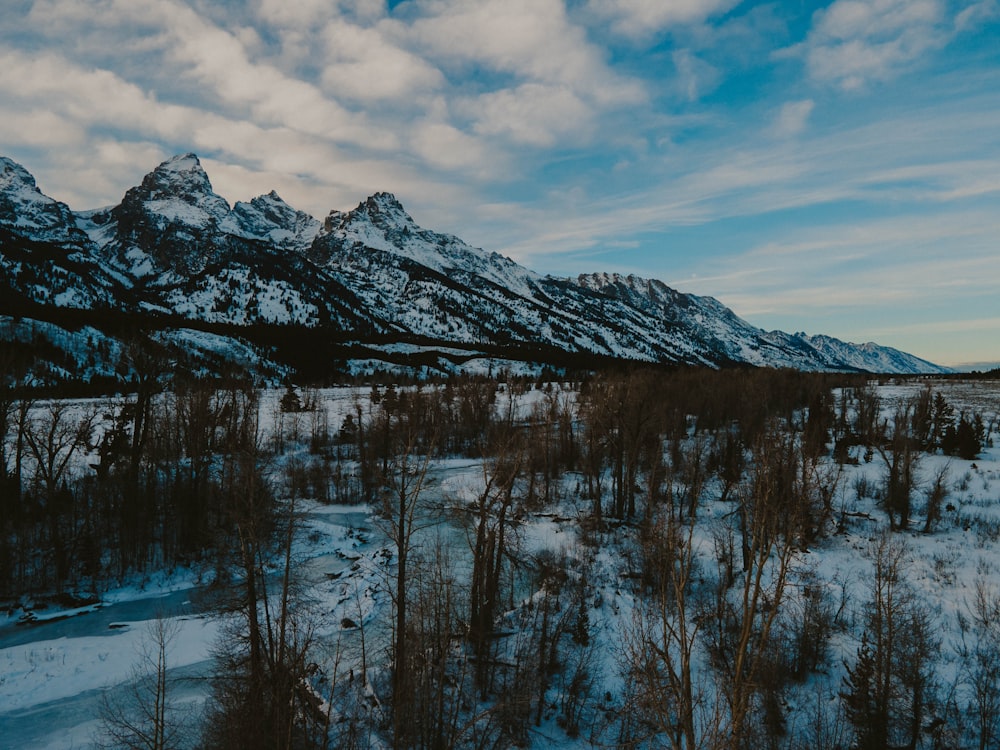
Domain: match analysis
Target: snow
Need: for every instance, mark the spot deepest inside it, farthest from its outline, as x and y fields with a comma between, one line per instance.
x=44, y=671
x=395, y=268
x=347, y=562
x=176, y=210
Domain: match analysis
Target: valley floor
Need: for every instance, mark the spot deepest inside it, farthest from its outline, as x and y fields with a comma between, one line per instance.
x=57, y=664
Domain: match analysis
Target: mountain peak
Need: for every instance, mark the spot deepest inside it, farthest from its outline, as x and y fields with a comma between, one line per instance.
x=386, y=200
x=27, y=209
x=182, y=163
x=270, y=218
x=181, y=176
x=178, y=192
x=386, y=206
x=13, y=175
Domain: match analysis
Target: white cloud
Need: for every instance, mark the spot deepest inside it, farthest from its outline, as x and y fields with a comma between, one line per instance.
x=446, y=147
x=855, y=42
x=532, y=39
x=362, y=64
x=531, y=114
x=977, y=13
x=792, y=117
x=640, y=19
x=695, y=77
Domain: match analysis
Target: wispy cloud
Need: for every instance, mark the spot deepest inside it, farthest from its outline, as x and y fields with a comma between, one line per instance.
x=793, y=116
x=770, y=154
x=854, y=42
x=640, y=19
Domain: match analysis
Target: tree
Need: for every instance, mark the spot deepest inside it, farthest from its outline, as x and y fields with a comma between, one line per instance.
x=937, y=493
x=899, y=453
x=888, y=687
x=661, y=643
x=56, y=434
x=261, y=695
x=745, y=614
x=290, y=401
x=144, y=717
x=492, y=515
x=405, y=464
x=981, y=673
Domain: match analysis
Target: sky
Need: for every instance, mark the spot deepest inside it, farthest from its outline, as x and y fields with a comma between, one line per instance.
x=827, y=167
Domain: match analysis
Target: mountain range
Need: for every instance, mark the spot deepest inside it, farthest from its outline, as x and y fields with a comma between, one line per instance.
x=175, y=267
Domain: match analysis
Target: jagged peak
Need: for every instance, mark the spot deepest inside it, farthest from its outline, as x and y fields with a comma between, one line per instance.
x=182, y=163
x=385, y=200
x=177, y=181
x=384, y=204
x=24, y=205
x=13, y=174
x=179, y=174
x=638, y=284
x=269, y=216
x=267, y=201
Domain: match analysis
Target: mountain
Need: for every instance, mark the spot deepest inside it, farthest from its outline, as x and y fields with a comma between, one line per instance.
x=364, y=284
x=187, y=253
x=44, y=257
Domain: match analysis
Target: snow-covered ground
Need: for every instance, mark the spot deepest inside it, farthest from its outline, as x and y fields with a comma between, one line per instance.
x=54, y=671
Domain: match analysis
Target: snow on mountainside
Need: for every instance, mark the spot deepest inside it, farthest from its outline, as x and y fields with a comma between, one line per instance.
x=708, y=323
x=381, y=223
x=44, y=257
x=174, y=246
x=25, y=208
x=165, y=228
x=871, y=356
x=268, y=217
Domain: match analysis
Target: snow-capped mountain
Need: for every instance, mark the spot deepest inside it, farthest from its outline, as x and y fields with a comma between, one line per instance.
x=870, y=356
x=716, y=327
x=186, y=252
x=45, y=258
x=371, y=275
x=268, y=217
x=27, y=210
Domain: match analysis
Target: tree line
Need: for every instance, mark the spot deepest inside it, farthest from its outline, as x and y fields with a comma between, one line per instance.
x=486, y=645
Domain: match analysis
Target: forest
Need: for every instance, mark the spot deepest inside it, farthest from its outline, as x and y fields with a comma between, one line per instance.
x=635, y=558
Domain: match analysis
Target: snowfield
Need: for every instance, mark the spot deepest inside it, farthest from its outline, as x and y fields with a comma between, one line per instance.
x=54, y=669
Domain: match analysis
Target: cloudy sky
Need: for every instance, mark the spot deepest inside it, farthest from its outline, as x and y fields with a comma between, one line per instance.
x=832, y=167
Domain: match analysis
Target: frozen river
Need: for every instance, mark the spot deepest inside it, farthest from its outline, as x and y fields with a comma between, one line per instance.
x=54, y=672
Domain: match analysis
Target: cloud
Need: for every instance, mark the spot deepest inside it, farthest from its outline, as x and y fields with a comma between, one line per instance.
x=532, y=114
x=531, y=39
x=446, y=147
x=641, y=19
x=855, y=42
x=792, y=117
x=977, y=13
x=364, y=65
x=871, y=265
x=695, y=77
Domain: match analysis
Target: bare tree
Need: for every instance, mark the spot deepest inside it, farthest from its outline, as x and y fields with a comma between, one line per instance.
x=981, y=673
x=144, y=717
x=661, y=643
x=937, y=493
x=888, y=687
x=405, y=465
x=745, y=614
x=491, y=537
x=898, y=450
x=54, y=438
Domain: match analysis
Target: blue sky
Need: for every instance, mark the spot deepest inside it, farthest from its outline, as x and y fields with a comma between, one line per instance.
x=827, y=167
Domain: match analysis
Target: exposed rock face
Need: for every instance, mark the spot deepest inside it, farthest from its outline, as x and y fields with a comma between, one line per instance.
x=174, y=245
x=28, y=211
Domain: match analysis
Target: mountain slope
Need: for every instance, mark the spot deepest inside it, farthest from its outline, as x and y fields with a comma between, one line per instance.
x=175, y=248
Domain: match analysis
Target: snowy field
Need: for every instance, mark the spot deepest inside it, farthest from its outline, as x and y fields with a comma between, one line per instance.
x=55, y=668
